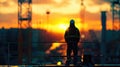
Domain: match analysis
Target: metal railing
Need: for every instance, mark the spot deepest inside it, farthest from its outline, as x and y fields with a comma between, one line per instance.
x=10, y=54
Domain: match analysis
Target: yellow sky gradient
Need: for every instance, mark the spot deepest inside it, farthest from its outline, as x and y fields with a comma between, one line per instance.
x=61, y=11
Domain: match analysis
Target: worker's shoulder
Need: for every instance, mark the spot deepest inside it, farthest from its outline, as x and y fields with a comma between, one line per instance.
x=76, y=29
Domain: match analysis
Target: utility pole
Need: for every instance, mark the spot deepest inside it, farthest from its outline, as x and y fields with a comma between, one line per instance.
x=24, y=22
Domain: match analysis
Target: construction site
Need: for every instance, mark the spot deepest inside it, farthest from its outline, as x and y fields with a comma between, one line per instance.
x=26, y=46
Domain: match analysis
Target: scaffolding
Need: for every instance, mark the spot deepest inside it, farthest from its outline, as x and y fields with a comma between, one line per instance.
x=115, y=4
x=24, y=22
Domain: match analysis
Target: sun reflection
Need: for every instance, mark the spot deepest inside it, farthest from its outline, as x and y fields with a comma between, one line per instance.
x=54, y=46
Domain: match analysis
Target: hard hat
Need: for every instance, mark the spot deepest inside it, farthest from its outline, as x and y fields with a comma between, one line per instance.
x=72, y=21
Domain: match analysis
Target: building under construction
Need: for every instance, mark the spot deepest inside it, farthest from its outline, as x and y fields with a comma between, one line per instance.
x=29, y=46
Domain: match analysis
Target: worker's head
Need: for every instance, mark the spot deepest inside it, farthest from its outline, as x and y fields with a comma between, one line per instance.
x=72, y=23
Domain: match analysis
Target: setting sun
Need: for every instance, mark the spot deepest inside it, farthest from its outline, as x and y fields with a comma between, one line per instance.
x=62, y=26
x=57, y=28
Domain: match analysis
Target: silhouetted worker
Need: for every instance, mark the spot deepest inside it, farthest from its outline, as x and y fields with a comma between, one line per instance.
x=72, y=37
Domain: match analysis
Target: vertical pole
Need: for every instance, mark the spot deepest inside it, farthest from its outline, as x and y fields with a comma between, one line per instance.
x=112, y=16
x=29, y=43
x=82, y=17
x=19, y=34
x=29, y=32
x=119, y=15
x=103, y=40
x=47, y=13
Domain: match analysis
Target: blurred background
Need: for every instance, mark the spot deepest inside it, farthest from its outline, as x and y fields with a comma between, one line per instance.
x=32, y=31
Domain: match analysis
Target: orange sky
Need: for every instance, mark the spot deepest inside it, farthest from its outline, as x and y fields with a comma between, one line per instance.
x=61, y=11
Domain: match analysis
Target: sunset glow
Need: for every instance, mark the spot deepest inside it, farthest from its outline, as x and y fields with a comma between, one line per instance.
x=61, y=11
x=59, y=32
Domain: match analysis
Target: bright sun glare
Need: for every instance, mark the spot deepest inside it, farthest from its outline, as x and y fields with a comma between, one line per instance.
x=62, y=26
